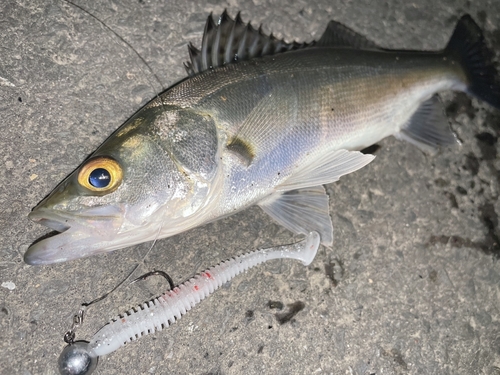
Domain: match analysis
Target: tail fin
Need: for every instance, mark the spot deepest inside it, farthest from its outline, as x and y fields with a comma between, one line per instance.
x=468, y=45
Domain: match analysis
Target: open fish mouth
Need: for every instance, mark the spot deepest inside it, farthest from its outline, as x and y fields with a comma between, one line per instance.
x=54, y=224
x=80, y=234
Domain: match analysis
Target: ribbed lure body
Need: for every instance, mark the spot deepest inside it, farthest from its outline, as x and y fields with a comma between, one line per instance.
x=160, y=312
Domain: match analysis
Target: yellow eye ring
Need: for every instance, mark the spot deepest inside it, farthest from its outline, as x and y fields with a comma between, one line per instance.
x=101, y=174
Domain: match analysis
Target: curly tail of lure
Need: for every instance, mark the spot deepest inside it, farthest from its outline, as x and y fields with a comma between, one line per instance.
x=160, y=312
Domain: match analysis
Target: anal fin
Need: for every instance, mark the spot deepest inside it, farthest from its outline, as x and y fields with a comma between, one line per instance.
x=302, y=211
x=428, y=127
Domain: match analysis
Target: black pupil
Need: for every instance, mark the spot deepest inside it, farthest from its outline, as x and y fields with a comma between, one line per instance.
x=99, y=178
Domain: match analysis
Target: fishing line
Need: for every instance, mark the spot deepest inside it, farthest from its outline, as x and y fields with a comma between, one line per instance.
x=124, y=41
x=69, y=336
x=154, y=272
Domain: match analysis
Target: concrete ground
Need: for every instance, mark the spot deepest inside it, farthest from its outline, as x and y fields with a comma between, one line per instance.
x=411, y=285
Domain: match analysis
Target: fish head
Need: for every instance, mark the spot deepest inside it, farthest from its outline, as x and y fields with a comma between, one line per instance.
x=122, y=195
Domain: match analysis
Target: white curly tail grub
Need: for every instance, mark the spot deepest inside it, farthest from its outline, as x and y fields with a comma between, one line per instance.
x=160, y=312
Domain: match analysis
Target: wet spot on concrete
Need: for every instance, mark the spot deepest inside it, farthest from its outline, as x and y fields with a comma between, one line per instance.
x=249, y=316
x=275, y=305
x=487, y=142
x=213, y=372
x=471, y=164
x=487, y=138
x=492, y=120
x=334, y=270
x=330, y=273
x=371, y=149
x=293, y=309
x=5, y=317
x=433, y=276
x=396, y=356
x=489, y=216
x=490, y=220
x=490, y=245
x=3, y=311
x=455, y=241
x=461, y=104
x=440, y=182
x=365, y=215
x=453, y=200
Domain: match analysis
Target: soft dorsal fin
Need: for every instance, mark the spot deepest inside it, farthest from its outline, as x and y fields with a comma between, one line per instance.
x=338, y=35
x=230, y=41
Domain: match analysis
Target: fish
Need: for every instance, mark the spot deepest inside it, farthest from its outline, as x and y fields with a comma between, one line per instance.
x=258, y=121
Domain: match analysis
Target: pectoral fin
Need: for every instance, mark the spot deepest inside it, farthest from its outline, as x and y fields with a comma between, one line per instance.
x=315, y=171
x=300, y=203
x=428, y=127
x=302, y=211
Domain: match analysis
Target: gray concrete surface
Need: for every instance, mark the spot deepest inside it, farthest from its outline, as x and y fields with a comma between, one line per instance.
x=411, y=285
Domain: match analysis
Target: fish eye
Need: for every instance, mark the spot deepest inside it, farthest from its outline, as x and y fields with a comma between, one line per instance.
x=99, y=178
x=101, y=174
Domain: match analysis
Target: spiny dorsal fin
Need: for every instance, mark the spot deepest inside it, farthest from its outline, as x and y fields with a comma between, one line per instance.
x=338, y=35
x=230, y=41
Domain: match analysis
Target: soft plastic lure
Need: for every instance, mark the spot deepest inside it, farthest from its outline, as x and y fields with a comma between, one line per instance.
x=80, y=358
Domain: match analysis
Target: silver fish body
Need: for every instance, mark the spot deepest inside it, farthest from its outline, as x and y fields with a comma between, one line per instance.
x=269, y=130
x=313, y=101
